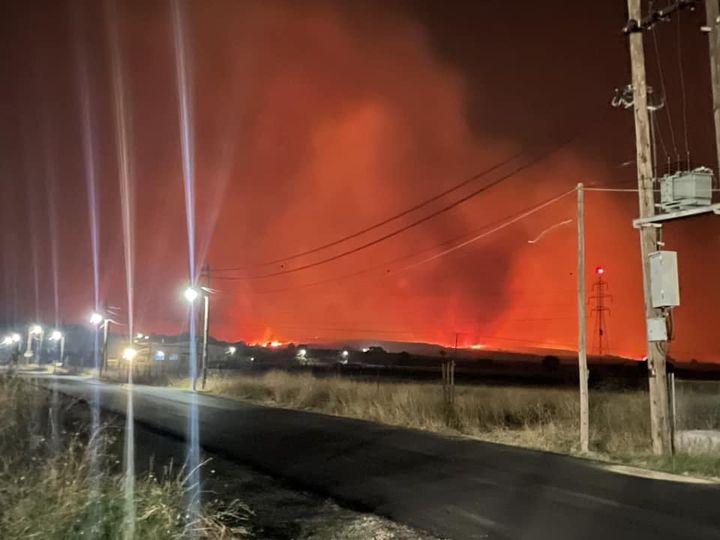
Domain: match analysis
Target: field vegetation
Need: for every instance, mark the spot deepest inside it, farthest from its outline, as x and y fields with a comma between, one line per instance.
x=534, y=417
x=59, y=481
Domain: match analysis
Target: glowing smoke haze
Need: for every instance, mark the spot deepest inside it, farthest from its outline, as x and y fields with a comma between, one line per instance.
x=314, y=120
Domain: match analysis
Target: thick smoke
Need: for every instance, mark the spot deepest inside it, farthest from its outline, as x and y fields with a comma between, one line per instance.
x=314, y=120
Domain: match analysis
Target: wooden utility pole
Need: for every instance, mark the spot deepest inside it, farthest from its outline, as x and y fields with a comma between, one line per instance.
x=206, y=323
x=656, y=355
x=582, y=332
x=712, y=12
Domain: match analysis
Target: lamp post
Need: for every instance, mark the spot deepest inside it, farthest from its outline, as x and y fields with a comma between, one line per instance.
x=33, y=330
x=17, y=340
x=99, y=320
x=191, y=295
x=58, y=336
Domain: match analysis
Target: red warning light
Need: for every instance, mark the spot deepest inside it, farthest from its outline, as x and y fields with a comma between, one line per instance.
x=599, y=270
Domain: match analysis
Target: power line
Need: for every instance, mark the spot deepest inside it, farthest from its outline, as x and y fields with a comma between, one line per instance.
x=385, y=221
x=533, y=210
x=548, y=230
x=411, y=225
x=385, y=264
x=621, y=190
x=624, y=190
x=664, y=92
x=682, y=89
x=655, y=127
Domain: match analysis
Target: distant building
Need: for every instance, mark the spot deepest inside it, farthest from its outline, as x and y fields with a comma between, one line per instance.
x=151, y=350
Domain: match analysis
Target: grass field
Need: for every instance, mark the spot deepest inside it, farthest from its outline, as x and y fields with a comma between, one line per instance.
x=534, y=417
x=543, y=418
x=59, y=484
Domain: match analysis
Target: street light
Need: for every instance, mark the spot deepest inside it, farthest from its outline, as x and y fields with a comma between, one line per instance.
x=98, y=320
x=7, y=340
x=191, y=294
x=33, y=330
x=129, y=354
x=57, y=335
x=16, y=340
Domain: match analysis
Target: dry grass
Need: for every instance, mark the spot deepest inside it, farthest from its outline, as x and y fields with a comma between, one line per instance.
x=542, y=418
x=58, y=486
x=533, y=417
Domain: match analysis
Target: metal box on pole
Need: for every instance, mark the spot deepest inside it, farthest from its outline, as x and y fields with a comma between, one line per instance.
x=664, y=284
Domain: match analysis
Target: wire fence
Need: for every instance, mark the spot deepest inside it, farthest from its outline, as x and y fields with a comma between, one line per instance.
x=696, y=415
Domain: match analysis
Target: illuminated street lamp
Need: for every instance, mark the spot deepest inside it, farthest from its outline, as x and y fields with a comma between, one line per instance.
x=34, y=330
x=232, y=350
x=13, y=340
x=191, y=294
x=129, y=354
x=57, y=335
x=98, y=320
x=16, y=340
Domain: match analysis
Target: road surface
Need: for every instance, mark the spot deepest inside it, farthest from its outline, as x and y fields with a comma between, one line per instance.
x=452, y=488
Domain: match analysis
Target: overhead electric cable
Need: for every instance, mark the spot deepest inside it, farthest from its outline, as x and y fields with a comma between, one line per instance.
x=411, y=225
x=385, y=221
x=683, y=94
x=386, y=264
x=491, y=231
x=664, y=94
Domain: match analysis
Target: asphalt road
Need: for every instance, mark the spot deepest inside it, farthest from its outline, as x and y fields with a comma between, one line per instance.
x=452, y=488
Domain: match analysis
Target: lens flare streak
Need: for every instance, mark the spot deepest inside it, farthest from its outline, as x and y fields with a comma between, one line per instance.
x=188, y=168
x=125, y=173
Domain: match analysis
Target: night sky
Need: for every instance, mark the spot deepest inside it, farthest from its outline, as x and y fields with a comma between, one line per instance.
x=313, y=120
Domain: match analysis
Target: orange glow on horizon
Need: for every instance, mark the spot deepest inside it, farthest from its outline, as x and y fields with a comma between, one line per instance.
x=282, y=230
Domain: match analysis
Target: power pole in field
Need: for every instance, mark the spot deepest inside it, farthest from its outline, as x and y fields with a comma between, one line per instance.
x=582, y=331
x=656, y=350
x=712, y=13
